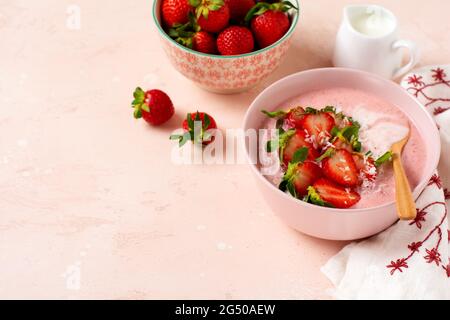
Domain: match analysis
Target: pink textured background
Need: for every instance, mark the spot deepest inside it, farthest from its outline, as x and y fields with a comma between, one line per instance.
x=84, y=187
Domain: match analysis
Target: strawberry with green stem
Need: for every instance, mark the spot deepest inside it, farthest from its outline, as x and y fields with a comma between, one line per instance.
x=300, y=174
x=269, y=21
x=212, y=15
x=190, y=35
x=288, y=142
x=326, y=193
x=290, y=119
x=197, y=128
x=154, y=106
x=175, y=12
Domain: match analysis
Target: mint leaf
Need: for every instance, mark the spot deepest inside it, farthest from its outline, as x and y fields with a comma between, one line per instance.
x=357, y=146
x=326, y=154
x=300, y=155
x=283, y=186
x=384, y=158
x=291, y=188
x=335, y=132
x=280, y=123
x=274, y=114
x=272, y=146
x=350, y=133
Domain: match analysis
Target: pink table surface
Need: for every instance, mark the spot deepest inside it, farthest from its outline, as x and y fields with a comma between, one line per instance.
x=90, y=204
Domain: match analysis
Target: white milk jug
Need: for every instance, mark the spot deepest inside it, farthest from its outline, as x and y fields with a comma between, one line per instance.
x=368, y=40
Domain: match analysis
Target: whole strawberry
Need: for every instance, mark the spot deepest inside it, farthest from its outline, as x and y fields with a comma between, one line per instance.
x=269, y=22
x=204, y=42
x=154, y=106
x=239, y=8
x=175, y=12
x=196, y=128
x=212, y=15
x=235, y=40
x=201, y=41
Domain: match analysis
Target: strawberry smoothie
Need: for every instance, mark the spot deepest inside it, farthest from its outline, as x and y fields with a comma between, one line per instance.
x=382, y=124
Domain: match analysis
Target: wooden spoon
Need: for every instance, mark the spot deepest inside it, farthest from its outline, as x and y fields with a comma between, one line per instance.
x=406, y=206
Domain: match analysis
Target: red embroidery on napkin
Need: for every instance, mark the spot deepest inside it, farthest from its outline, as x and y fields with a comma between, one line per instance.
x=433, y=255
x=416, y=81
x=420, y=217
x=440, y=110
x=415, y=246
x=436, y=180
x=418, y=87
x=398, y=265
x=447, y=269
x=439, y=74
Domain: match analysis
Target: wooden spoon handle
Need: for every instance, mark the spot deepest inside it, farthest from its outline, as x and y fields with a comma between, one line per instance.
x=406, y=206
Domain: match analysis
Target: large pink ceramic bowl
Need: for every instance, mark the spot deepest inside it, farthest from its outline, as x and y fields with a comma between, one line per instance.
x=225, y=74
x=338, y=224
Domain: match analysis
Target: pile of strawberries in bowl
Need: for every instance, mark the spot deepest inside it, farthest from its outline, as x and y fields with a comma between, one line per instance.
x=226, y=46
x=226, y=27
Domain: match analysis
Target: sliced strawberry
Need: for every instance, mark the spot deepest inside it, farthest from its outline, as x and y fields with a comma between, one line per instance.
x=297, y=141
x=341, y=168
x=342, y=144
x=301, y=176
x=366, y=166
x=294, y=118
x=318, y=125
x=336, y=195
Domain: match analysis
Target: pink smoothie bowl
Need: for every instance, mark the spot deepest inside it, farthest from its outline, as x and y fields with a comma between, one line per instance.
x=225, y=74
x=330, y=223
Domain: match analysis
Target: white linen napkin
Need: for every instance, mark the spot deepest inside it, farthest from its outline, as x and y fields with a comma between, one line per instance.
x=410, y=260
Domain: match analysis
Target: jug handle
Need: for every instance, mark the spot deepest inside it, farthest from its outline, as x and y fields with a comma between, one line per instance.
x=414, y=54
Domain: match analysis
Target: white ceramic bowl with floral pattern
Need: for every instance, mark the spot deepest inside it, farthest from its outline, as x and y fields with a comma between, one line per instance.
x=225, y=74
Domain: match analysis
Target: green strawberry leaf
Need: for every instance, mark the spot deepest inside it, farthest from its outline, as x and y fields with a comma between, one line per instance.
x=214, y=7
x=207, y=136
x=329, y=109
x=137, y=113
x=195, y=3
x=190, y=122
x=139, y=95
x=314, y=198
x=384, y=158
x=284, y=138
x=206, y=122
x=310, y=110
